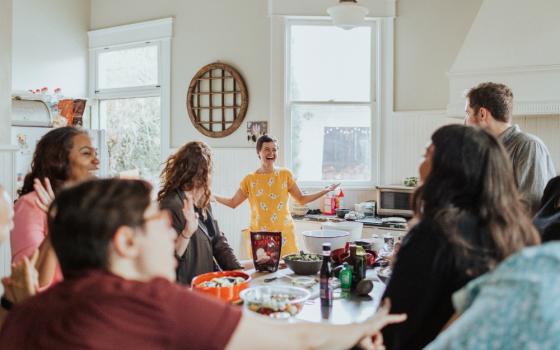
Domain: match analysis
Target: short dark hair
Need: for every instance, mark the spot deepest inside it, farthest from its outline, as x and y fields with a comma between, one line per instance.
x=263, y=139
x=497, y=98
x=51, y=158
x=83, y=219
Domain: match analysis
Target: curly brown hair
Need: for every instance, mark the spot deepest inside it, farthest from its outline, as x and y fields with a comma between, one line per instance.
x=51, y=158
x=189, y=168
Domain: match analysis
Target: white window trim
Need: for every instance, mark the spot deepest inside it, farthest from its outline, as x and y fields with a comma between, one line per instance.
x=381, y=100
x=158, y=32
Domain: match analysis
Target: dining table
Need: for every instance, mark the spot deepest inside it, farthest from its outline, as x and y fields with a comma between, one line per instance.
x=345, y=309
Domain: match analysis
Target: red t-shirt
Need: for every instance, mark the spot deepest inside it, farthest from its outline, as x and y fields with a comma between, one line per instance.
x=99, y=310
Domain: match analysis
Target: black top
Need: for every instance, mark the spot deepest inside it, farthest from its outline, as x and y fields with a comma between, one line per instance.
x=208, y=249
x=547, y=219
x=425, y=275
x=207, y=222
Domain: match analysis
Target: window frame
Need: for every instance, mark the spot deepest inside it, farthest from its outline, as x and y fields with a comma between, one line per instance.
x=372, y=103
x=155, y=32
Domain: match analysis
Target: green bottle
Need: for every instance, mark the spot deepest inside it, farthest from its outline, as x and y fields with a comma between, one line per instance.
x=345, y=277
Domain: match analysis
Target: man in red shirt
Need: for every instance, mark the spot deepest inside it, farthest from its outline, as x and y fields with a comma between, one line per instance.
x=115, y=248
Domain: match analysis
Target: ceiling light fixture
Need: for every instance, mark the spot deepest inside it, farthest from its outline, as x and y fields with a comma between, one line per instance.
x=348, y=14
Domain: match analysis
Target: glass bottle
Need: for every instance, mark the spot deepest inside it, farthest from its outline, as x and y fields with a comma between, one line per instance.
x=345, y=277
x=325, y=291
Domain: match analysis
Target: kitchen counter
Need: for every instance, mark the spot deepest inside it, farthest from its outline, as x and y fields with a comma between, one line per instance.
x=367, y=221
x=344, y=310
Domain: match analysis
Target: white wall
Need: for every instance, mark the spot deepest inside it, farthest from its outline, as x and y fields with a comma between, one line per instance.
x=234, y=32
x=428, y=36
x=6, y=155
x=50, y=45
x=5, y=69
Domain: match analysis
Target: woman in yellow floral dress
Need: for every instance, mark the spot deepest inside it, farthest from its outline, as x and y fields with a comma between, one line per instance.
x=268, y=189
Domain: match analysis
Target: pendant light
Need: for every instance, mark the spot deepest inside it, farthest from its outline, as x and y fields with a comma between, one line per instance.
x=348, y=14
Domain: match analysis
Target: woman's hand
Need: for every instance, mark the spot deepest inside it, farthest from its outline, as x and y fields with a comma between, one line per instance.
x=24, y=280
x=190, y=215
x=45, y=194
x=332, y=187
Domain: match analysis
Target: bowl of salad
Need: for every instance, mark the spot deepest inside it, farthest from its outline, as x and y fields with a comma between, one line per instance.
x=303, y=263
x=275, y=301
x=225, y=285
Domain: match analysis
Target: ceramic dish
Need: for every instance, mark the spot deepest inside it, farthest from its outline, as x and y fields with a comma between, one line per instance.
x=227, y=292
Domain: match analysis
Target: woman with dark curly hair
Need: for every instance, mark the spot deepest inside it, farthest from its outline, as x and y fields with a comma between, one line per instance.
x=470, y=218
x=186, y=181
x=63, y=156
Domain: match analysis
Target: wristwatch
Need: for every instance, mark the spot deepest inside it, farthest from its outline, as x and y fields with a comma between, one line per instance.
x=5, y=303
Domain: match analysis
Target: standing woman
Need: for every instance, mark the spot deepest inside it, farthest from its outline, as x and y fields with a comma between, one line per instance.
x=200, y=246
x=267, y=190
x=63, y=156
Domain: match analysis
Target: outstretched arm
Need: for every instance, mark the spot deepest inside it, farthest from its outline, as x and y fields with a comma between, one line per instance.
x=234, y=201
x=306, y=198
x=254, y=331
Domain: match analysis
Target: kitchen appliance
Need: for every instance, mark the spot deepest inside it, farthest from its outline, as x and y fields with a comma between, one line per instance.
x=394, y=201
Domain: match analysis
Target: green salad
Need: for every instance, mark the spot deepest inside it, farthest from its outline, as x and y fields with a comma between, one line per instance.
x=303, y=257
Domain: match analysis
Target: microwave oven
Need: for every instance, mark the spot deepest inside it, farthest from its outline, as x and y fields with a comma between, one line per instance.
x=394, y=201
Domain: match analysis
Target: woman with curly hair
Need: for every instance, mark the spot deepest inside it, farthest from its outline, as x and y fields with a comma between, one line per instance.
x=63, y=156
x=186, y=181
x=470, y=218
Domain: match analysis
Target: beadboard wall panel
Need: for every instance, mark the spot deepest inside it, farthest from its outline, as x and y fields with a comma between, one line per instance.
x=230, y=167
x=7, y=179
x=411, y=132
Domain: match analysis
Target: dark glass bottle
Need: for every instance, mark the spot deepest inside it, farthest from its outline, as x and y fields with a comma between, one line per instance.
x=325, y=289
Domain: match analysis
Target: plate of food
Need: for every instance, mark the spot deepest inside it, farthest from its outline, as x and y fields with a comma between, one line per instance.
x=275, y=301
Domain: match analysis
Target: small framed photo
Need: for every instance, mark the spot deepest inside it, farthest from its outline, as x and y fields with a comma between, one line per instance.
x=256, y=130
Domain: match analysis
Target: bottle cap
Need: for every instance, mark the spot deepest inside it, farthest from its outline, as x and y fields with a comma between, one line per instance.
x=327, y=246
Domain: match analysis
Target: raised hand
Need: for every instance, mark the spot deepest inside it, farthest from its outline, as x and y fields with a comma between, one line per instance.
x=23, y=281
x=190, y=215
x=45, y=194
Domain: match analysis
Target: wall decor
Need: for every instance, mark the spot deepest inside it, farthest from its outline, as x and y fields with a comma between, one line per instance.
x=256, y=130
x=217, y=100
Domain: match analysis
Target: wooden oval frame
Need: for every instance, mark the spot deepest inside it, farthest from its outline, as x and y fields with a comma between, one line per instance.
x=239, y=84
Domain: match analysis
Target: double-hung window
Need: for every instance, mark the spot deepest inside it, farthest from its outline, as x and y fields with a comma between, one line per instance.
x=330, y=103
x=129, y=86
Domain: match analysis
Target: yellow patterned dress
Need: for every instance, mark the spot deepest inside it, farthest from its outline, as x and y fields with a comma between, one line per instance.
x=268, y=198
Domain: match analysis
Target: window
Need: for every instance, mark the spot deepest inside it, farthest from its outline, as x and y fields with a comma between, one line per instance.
x=330, y=102
x=130, y=89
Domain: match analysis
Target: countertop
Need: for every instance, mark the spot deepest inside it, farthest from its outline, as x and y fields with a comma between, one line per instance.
x=367, y=221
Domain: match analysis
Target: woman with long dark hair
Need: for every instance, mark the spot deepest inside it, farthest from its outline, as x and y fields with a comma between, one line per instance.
x=470, y=218
x=63, y=156
x=186, y=181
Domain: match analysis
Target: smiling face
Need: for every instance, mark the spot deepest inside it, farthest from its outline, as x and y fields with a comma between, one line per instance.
x=82, y=158
x=157, y=244
x=268, y=153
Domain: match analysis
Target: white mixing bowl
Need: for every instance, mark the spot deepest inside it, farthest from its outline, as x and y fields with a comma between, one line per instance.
x=354, y=228
x=314, y=240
